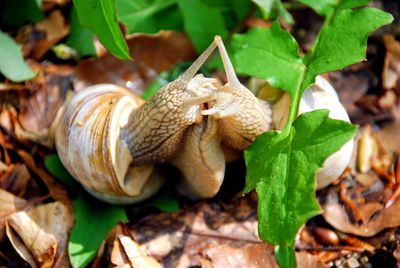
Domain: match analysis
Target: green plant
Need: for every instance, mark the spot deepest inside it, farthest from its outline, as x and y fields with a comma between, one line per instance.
x=280, y=164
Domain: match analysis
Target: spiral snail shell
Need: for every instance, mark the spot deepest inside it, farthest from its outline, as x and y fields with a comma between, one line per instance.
x=321, y=95
x=111, y=140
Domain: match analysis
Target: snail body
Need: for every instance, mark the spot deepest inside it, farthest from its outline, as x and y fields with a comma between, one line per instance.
x=111, y=141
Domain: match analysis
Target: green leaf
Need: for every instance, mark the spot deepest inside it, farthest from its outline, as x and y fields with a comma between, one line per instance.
x=80, y=38
x=281, y=165
x=273, y=8
x=12, y=63
x=156, y=84
x=140, y=15
x=327, y=7
x=271, y=54
x=265, y=6
x=93, y=220
x=19, y=12
x=343, y=41
x=100, y=17
x=282, y=169
x=202, y=23
x=286, y=257
x=57, y=169
x=165, y=202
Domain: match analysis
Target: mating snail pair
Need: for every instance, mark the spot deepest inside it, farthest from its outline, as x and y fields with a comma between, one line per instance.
x=111, y=140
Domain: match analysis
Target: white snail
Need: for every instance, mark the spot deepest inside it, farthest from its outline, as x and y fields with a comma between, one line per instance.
x=111, y=140
x=321, y=95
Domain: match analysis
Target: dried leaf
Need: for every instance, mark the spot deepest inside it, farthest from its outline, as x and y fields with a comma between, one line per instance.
x=54, y=28
x=10, y=204
x=151, y=53
x=391, y=67
x=16, y=179
x=127, y=252
x=50, y=223
x=376, y=219
x=56, y=190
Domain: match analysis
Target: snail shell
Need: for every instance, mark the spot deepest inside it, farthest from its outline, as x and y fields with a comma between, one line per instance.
x=320, y=96
x=88, y=144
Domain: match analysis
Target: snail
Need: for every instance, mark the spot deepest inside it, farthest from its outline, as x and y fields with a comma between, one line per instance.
x=321, y=95
x=111, y=141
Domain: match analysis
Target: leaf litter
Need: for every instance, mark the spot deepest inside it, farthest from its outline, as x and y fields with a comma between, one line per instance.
x=215, y=233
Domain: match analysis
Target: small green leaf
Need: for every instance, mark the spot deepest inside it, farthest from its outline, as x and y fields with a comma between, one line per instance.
x=343, y=41
x=93, y=220
x=12, y=63
x=56, y=168
x=327, y=7
x=156, y=84
x=282, y=169
x=100, y=17
x=202, y=22
x=80, y=38
x=274, y=8
x=271, y=54
x=140, y=15
x=286, y=257
x=265, y=6
x=19, y=12
x=166, y=202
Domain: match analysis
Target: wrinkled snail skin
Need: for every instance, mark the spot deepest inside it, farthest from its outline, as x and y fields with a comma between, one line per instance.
x=232, y=120
x=319, y=96
x=110, y=140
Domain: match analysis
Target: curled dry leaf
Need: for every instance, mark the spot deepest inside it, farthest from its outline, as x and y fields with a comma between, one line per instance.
x=56, y=190
x=367, y=150
x=44, y=233
x=15, y=179
x=391, y=67
x=54, y=28
x=9, y=204
x=29, y=113
x=368, y=203
x=212, y=234
x=38, y=39
x=151, y=54
x=127, y=252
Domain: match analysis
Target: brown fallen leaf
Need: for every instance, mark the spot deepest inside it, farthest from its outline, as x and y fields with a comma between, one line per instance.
x=160, y=51
x=44, y=232
x=9, y=204
x=56, y=190
x=391, y=67
x=127, y=252
x=210, y=234
x=336, y=215
x=54, y=28
x=151, y=54
x=15, y=179
x=29, y=114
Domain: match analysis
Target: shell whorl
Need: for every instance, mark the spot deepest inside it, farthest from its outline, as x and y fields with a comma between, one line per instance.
x=88, y=143
x=320, y=96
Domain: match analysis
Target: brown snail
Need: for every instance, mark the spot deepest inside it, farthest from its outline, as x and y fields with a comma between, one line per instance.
x=111, y=140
